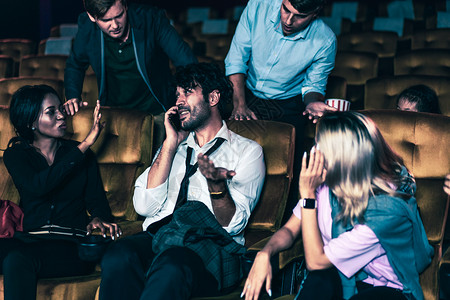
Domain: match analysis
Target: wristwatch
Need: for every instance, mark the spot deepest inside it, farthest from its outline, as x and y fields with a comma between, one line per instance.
x=218, y=195
x=309, y=203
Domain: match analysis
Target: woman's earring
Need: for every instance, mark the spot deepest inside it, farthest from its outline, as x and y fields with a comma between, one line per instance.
x=33, y=128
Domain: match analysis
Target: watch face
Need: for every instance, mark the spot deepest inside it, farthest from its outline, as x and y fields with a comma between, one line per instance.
x=309, y=203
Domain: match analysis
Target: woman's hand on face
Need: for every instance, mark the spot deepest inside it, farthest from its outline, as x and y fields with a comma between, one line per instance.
x=260, y=272
x=97, y=126
x=447, y=184
x=112, y=228
x=313, y=174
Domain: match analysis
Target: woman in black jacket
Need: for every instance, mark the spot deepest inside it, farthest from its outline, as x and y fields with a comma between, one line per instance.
x=58, y=181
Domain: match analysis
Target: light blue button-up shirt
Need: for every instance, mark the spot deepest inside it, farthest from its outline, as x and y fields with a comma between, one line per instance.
x=278, y=66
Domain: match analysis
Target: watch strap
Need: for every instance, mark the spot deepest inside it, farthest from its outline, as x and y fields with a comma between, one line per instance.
x=218, y=195
x=309, y=203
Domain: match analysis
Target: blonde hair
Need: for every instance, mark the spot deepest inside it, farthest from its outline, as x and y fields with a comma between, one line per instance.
x=359, y=162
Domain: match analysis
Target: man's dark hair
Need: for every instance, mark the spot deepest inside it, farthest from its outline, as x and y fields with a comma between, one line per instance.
x=307, y=6
x=207, y=76
x=424, y=97
x=98, y=8
x=25, y=106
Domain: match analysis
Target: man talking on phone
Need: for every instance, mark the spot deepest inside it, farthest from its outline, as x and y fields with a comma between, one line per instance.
x=196, y=197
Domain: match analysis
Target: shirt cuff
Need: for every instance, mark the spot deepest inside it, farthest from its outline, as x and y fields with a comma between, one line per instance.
x=235, y=69
x=148, y=201
x=238, y=222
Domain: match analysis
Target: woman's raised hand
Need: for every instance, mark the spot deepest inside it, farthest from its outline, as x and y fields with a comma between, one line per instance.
x=312, y=174
x=97, y=127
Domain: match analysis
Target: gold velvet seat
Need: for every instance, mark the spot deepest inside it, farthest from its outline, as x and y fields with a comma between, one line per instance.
x=382, y=93
x=356, y=67
x=66, y=29
x=89, y=93
x=434, y=62
x=277, y=140
x=438, y=38
x=123, y=152
x=6, y=66
x=55, y=45
x=8, y=190
x=47, y=66
x=422, y=140
x=217, y=46
x=17, y=48
x=9, y=85
x=382, y=43
x=336, y=87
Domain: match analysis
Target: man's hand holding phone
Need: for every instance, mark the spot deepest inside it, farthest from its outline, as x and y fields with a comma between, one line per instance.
x=174, y=134
x=175, y=120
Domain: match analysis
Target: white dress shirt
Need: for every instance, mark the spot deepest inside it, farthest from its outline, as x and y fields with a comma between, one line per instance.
x=237, y=153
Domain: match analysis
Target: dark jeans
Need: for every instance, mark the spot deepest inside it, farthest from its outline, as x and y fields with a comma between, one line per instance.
x=444, y=277
x=179, y=273
x=286, y=111
x=23, y=263
x=124, y=266
x=131, y=271
x=326, y=285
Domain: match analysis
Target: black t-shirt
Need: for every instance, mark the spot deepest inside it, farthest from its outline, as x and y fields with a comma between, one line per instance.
x=125, y=86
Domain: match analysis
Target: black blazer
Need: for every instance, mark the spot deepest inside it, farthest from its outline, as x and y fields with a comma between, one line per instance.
x=154, y=41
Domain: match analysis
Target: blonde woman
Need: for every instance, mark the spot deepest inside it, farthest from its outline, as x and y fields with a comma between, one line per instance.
x=362, y=234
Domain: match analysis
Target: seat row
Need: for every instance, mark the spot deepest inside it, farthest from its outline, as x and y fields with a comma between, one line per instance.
x=361, y=71
x=124, y=151
x=353, y=79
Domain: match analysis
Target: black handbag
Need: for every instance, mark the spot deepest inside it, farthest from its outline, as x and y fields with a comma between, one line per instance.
x=92, y=247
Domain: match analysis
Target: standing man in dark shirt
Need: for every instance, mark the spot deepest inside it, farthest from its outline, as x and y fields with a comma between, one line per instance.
x=128, y=47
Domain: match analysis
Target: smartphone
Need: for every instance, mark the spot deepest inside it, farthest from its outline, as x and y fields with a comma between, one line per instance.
x=175, y=120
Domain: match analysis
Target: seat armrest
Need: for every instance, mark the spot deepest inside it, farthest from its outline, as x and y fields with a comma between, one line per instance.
x=259, y=245
x=294, y=253
x=287, y=256
x=130, y=227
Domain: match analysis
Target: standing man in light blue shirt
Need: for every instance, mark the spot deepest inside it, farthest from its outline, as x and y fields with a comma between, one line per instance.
x=280, y=51
x=279, y=62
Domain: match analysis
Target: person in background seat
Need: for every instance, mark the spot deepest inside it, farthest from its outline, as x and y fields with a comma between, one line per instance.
x=419, y=98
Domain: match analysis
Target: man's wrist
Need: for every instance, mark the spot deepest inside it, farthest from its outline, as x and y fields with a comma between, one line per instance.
x=169, y=146
x=217, y=189
x=215, y=186
x=218, y=195
x=313, y=97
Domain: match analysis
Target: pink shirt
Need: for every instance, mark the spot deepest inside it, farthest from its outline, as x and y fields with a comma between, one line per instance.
x=353, y=250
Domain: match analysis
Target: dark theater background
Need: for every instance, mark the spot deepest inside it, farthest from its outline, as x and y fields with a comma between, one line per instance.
x=32, y=19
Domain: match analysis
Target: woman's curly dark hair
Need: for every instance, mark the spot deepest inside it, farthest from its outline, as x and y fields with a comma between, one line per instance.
x=207, y=76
